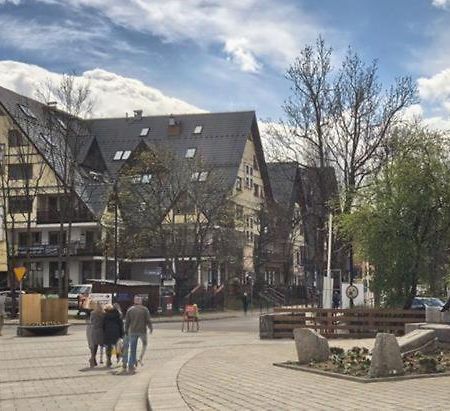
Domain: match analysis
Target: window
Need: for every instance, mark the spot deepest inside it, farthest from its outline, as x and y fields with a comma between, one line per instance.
x=248, y=182
x=256, y=190
x=141, y=178
x=20, y=171
x=27, y=111
x=15, y=138
x=144, y=131
x=199, y=176
x=255, y=163
x=239, y=211
x=118, y=155
x=190, y=152
x=62, y=123
x=239, y=183
x=198, y=129
x=248, y=176
x=35, y=238
x=20, y=204
x=122, y=155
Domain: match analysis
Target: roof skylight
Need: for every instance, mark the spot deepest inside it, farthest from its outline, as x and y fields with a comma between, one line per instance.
x=27, y=111
x=199, y=176
x=144, y=131
x=190, y=152
x=198, y=129
x=122, y=155
x=118, y=155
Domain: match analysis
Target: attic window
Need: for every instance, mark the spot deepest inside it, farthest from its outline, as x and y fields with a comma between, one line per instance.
x=126, y=155
x=27, y=111
x=198, y=129
x=142, y=178
x=199, y=176
x=118, y=155
x=144, y=131
x=190, y=152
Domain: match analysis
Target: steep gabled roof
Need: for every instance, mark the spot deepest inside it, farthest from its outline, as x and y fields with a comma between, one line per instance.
x=284, y=182
x=220, y=144
x=33, y=118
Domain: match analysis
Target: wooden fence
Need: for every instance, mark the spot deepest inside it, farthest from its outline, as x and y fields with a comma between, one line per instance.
x=340, y=323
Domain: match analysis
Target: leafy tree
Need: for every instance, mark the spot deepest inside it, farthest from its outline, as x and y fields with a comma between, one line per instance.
x=401, y=222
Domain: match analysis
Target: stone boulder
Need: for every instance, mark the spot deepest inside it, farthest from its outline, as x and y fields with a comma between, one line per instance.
x=386, y=357
x=418, y=340
x=311, y=346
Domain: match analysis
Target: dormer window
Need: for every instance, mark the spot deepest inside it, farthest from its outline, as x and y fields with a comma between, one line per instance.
x=198, y=129
x=27, y=111
x=122, y=155
x=144, y=131
x=171, y=121
x=190, y=152
x=199, y=176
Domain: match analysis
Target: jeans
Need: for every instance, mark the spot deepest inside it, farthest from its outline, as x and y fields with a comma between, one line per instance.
x=132, y=347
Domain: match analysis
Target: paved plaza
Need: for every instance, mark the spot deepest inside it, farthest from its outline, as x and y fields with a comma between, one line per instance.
x=222, y=367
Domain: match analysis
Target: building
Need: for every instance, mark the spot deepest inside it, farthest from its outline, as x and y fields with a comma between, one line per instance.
x=60, y=174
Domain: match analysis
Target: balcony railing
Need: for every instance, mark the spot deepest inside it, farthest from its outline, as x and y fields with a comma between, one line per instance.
x=51, y=250
x=52, y=216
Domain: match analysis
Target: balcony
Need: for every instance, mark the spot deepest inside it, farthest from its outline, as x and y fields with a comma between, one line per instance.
x=54, y=216
x=51, y=250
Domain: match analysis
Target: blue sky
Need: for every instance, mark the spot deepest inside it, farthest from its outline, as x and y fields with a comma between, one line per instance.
x=219, y=55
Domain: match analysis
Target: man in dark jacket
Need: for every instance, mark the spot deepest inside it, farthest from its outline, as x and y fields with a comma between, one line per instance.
x=112, y=330
x=137, y=320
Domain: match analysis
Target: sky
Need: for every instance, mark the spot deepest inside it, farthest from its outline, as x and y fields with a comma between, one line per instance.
x=174, y=56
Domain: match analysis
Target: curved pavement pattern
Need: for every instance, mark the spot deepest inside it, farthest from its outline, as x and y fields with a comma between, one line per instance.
x=209, y=370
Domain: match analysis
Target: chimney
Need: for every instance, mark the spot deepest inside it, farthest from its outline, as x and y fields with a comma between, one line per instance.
x=52, y=104
x=137, y=114
x=174, y=128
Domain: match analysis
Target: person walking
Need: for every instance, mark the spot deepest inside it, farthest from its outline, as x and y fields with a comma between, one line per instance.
x=336, y=300
x=96, y=332
x=112, y=330
x=245, y=303
x=2, y=311
x=137, y=320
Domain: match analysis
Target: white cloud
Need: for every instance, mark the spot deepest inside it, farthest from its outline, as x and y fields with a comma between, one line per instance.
x=441, y=3
x=249, y=32
x=435, y=88
x=113, y=94
x=15, y=2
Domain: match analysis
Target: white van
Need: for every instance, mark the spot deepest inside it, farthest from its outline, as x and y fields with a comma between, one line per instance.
x=75, y=291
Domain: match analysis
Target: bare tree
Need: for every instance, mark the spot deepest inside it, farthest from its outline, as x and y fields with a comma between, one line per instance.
x=177, y=208
x=340, y=118
x=66, y=134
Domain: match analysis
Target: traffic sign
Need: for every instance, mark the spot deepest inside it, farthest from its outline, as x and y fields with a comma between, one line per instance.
x=20, y=273
x=351, y=292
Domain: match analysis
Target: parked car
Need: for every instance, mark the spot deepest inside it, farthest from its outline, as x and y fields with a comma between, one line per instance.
x=8, y=300
x=421, y=303
x=75, y=291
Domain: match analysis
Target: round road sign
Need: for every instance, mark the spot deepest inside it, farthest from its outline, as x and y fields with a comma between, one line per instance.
x=351, y=292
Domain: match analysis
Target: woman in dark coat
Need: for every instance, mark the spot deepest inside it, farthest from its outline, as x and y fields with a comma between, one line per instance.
x=112, y=330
